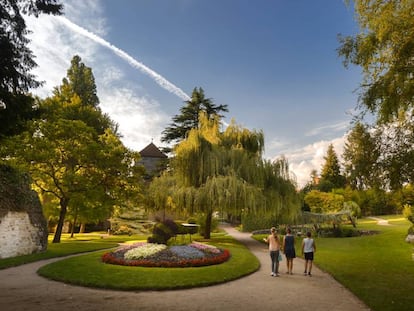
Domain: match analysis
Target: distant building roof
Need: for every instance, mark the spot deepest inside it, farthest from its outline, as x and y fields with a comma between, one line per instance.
x=151, y=151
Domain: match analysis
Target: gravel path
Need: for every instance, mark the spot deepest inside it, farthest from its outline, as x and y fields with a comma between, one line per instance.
x=21, y=289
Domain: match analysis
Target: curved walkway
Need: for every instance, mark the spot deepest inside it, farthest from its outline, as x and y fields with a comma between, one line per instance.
x=22, y=289
x=380, y=221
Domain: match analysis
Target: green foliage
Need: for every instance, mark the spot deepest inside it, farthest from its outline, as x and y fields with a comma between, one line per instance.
x=16, y=195
x=375, y=202
x=331, y=172
x=408, y=212
x=75, y=155
x=130, y=220
x=361, y=154
x=163, y=231
x=383, y=49
x=88, y=270
x=16, y=62
x=337, y=232
x=384, y=263
x=252, y=222
x=397, y=152
x=323, y=202
x=214, y=171
x=202, y=222
x=189, y=117
x=79, y=81
x=353, y=207
x=20, y=109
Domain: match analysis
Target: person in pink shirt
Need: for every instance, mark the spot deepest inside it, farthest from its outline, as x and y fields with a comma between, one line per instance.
x=274, y=249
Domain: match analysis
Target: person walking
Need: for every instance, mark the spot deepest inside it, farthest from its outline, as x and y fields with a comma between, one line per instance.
x=308, y=249
x=289, y=250
x=274, y=249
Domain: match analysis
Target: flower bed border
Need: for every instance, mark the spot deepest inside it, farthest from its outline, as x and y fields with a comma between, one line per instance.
x=109, y=258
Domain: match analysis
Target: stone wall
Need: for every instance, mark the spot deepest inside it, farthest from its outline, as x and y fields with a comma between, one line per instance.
x=23, y=228
x=18, y=236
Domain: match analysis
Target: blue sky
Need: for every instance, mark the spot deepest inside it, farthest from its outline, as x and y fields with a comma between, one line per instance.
x=274, y=63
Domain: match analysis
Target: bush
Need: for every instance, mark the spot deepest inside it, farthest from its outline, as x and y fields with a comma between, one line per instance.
x=163, y=231
x=255, y=222
x=337, y=232
x=202, y=223
x=122, y=230
x=408, y=213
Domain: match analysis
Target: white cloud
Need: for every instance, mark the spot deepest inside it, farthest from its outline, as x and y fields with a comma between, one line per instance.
x=340, y=126
x=89, y=13
x=311, y=157
x=140, y=118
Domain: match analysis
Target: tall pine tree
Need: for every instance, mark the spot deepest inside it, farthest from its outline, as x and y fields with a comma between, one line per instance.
x=189, y=117
x=331, y=172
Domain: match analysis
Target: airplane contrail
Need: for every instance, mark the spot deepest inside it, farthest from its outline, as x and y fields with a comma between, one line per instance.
x=160, y=80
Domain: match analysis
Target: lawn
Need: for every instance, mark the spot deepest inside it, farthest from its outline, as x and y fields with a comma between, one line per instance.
x=379, y=269
x=81, y=243
x=88, y=270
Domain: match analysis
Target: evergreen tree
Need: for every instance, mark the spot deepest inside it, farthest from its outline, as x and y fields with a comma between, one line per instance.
x=331, y=172
x=16, y=62
x=189, y=117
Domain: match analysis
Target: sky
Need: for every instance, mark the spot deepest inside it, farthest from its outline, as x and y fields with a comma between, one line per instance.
x=273, y=62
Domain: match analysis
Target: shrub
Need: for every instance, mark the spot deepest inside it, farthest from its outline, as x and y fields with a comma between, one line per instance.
x=338, y=232
x=122, y=230
x=163, y=231
x=202, y=222
x=408, y=213
x=253, y=222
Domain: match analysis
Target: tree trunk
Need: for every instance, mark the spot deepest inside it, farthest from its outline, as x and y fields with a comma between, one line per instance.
x=207, y=228
x=72, y=231
x=82, y=228
x=63, y=208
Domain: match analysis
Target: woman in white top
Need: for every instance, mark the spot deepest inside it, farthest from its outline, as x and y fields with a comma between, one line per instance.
x=274, y=248
x=308, y=249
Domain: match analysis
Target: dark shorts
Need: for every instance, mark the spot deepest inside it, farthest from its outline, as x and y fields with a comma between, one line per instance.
x=290, y=253
x=309, y=256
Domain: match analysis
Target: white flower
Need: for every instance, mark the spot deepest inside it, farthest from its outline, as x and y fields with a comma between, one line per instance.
x=144, y=251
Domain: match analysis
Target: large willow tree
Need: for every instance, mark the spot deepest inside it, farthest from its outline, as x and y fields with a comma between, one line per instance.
x=224, y=171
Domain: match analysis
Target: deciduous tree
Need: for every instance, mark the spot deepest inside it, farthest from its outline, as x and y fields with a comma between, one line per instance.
x=224, y=171
x=384, y=50
x=361, y=155
x=74, y=155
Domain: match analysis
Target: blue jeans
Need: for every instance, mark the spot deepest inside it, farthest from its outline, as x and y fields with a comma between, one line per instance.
x=274, y=256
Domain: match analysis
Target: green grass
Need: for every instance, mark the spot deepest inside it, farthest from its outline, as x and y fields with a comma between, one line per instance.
x=379, y=269
x=88, y=270
x=81, y=243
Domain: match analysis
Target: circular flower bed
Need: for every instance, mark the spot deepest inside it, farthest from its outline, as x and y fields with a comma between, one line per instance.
x=159, y=255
